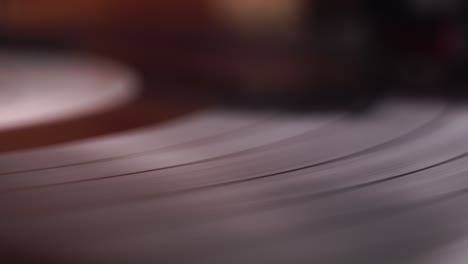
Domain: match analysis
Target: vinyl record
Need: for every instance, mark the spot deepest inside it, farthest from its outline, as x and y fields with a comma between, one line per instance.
x=226, y=186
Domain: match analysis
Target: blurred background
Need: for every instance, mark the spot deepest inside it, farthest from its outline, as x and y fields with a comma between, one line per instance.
x=259, y=47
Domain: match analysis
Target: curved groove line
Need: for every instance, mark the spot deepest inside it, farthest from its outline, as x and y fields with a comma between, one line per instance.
x=195, y=142
x=422, y=129
x=323, y=194
x=179, y=145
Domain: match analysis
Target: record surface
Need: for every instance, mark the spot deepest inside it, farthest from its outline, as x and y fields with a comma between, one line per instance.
x=226, y=186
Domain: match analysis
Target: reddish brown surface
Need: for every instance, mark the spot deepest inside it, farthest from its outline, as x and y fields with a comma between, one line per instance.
x=143, y=112
x=78, y=16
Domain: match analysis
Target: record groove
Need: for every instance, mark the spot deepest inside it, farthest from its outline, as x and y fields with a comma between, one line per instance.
x=389, y=186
